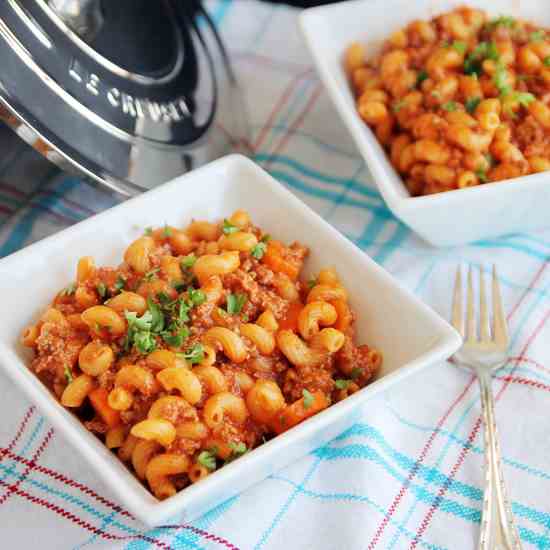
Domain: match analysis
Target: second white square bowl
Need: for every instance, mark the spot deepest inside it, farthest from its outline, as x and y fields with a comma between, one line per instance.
x=443, y=219
x=408, y=333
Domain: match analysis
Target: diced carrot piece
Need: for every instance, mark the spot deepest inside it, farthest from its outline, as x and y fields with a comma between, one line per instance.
x=98, y=399
x=297, y=412
x=290, y=320
x=344, y=315
x=274, y=259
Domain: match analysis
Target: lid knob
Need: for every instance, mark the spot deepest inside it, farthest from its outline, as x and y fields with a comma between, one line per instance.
x=83, y=16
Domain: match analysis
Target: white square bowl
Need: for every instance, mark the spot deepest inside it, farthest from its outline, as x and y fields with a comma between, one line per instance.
x=443, y=219
x=388, y=317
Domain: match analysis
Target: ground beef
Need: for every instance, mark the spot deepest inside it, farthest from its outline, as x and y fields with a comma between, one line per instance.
x=107, y=380
x=139, y=409
x=184, y=446
x=531, y=138
x=264, y=276
x=97, y=426
x=259, y=298
x=57, y=349
x=352, y=357
x=296, y=380
x=201, y=316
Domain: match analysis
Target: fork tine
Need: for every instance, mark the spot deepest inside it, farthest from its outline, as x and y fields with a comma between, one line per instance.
x=485, y=335
x=457, y=320
x=471, y=330
x=500, y=327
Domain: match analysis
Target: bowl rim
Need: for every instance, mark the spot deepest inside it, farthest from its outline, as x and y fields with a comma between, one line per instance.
x=131, y=493
x=356, y=127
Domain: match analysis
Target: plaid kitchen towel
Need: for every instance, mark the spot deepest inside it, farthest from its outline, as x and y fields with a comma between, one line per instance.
x=409, y=474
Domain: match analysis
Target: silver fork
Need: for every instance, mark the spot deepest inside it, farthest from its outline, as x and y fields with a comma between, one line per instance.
x=483, y=354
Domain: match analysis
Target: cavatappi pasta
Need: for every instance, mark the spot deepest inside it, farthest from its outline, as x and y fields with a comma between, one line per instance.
x=202, y=344
x=459, y=100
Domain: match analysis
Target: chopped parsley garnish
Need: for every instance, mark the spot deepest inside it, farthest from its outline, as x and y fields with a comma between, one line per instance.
x=266, y=238
x=167, y=231
x=197, y=297
x=311, y=283
x=222, y=312
x=139, y=323
x=422, y=75
x=102, y=289
x=501, y=79
x=163, y=298
x=207, y=459
x=472, y=103
x=120, y=283
x=342, y=384
x=547, y=61
x=397, y=106
x=356, y=372
x=484, y=50
x=235, y=303
x=449, y=106
x=245, y=318
x=187, y=262
x=460, y=47
x=69, y=290
x=237, y=450
x=68, y=374
x=148, y=231
x=308, y=399
x=229, y=228
x=435, y=93
x=145, y=342
x=151, y=275
x=194, y=354
x=176, y=340
x=481, y=175
x=502, y=21
x=258, y=250
x=157, y=317
x=523, y=98
x=537, y=36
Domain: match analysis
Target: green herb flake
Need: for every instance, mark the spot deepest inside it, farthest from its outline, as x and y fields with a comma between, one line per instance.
x=502, y=21
x=120, y=283
x=472, y=103
x=422, y=75
x=207, y=459
x=228, y=227
x=449, y=106
x=356, y=373
x=244, y=318
x=311, y=283
x=163, y=298
x=524, y=98
x=258, y=250
x=69, y=290
x=481, y=175
x=197, y=297
x=460, y=47
x=237, y=450
x=266, y=238
x=187, y=262
x=167, y=232
x=148, y=231
x=547, y=61
x=235, y=303
x=308, y=399
x=151, y=275
x=145, y=342
x=101, y=289
x=68, y=374
x=157, y=318
x=139, y=323
x=176, y=340
x=484, y=50
x=501, y=79
x=397, y=106
x=537, y=36
x=342, y=384
x=194, y=354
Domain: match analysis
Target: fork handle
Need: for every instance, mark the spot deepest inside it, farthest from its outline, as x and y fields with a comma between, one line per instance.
x=498, y=531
